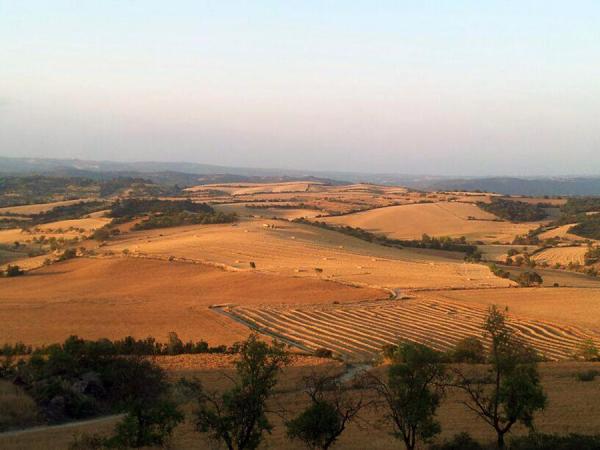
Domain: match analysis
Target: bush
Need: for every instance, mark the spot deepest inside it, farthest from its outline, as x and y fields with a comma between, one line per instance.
x=13, y=271
x=462, y=441
x=323, y=353
x=528, y=278
x=536, y=441
x=587, y=375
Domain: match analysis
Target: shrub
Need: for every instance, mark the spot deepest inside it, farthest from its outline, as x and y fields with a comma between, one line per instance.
x=528, y=278
x=323, y=353
x=587, y=375
x=13, y=271
x=536, y=441
x=462, y=441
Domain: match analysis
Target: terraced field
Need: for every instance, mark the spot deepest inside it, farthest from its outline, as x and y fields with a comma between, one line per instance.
x=358, y=331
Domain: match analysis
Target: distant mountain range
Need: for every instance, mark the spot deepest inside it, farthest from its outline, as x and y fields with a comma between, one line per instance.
x=188, y=174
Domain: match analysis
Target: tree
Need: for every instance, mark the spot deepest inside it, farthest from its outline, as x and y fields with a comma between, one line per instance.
x=237, y=418
x=528, y=278
x=332, y=407
x=510, y=390
x=413, y=392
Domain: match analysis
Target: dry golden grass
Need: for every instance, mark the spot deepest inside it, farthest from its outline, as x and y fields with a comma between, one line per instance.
x=86, y=224
x=295, y=249
x=41, y=207
x=17, y=409
x=579, y=307
x=562, y=255
x=435, y=219
x=117, y=297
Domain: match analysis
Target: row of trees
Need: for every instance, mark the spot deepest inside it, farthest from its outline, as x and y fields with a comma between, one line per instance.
x=504, y=392
x=78, y=378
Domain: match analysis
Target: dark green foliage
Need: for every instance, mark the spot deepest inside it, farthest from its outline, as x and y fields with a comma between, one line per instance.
x=315, y=425
x=66, y=212
x=413, y=392
x=132, y=207
x=237, y=418
x=168, y=213
x=514, y=210
x=536, y=441
x=13, y=271
x=323, y=353
x=101, y=234
x=127, y=346
x=588, y=227
x=147, y=425
x=527, y=279
x=510, y=390
x=332, y=406
x=80, y=379
x=184, y=218
x=578, y=205
x=23, y=190
x=587, y=375
x=499, y=272
x=461, y=441
x=468, y=350
x=69, y=253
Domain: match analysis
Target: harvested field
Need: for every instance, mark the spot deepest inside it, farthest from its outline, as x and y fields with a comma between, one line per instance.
x=500, y=252
x=295, y=249
x=579, y=307
x=358, y=332
x=562, y=232
x=41, y=207
x=435, y=219
x=113, y=298
x=242, y=210
x=561, y=255
x=557, y=278
x=87, y=224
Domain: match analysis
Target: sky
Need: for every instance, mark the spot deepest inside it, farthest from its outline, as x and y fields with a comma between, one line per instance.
x=429, y=87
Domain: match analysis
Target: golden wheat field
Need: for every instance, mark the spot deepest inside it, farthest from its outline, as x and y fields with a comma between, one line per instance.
x=40, y=207
x=294, y=249
x=452, y=219
x=358, y=331
x=117, y=297
x=562, y=255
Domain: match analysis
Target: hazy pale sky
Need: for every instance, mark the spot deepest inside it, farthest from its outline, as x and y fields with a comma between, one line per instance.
x=441, y=87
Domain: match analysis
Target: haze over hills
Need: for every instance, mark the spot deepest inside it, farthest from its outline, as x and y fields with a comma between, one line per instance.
x=190, y=173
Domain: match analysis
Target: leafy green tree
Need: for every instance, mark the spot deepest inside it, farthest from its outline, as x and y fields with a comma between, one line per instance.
x=413, y=392
x=332, y=407
x=510, y=390
x=237, y=418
